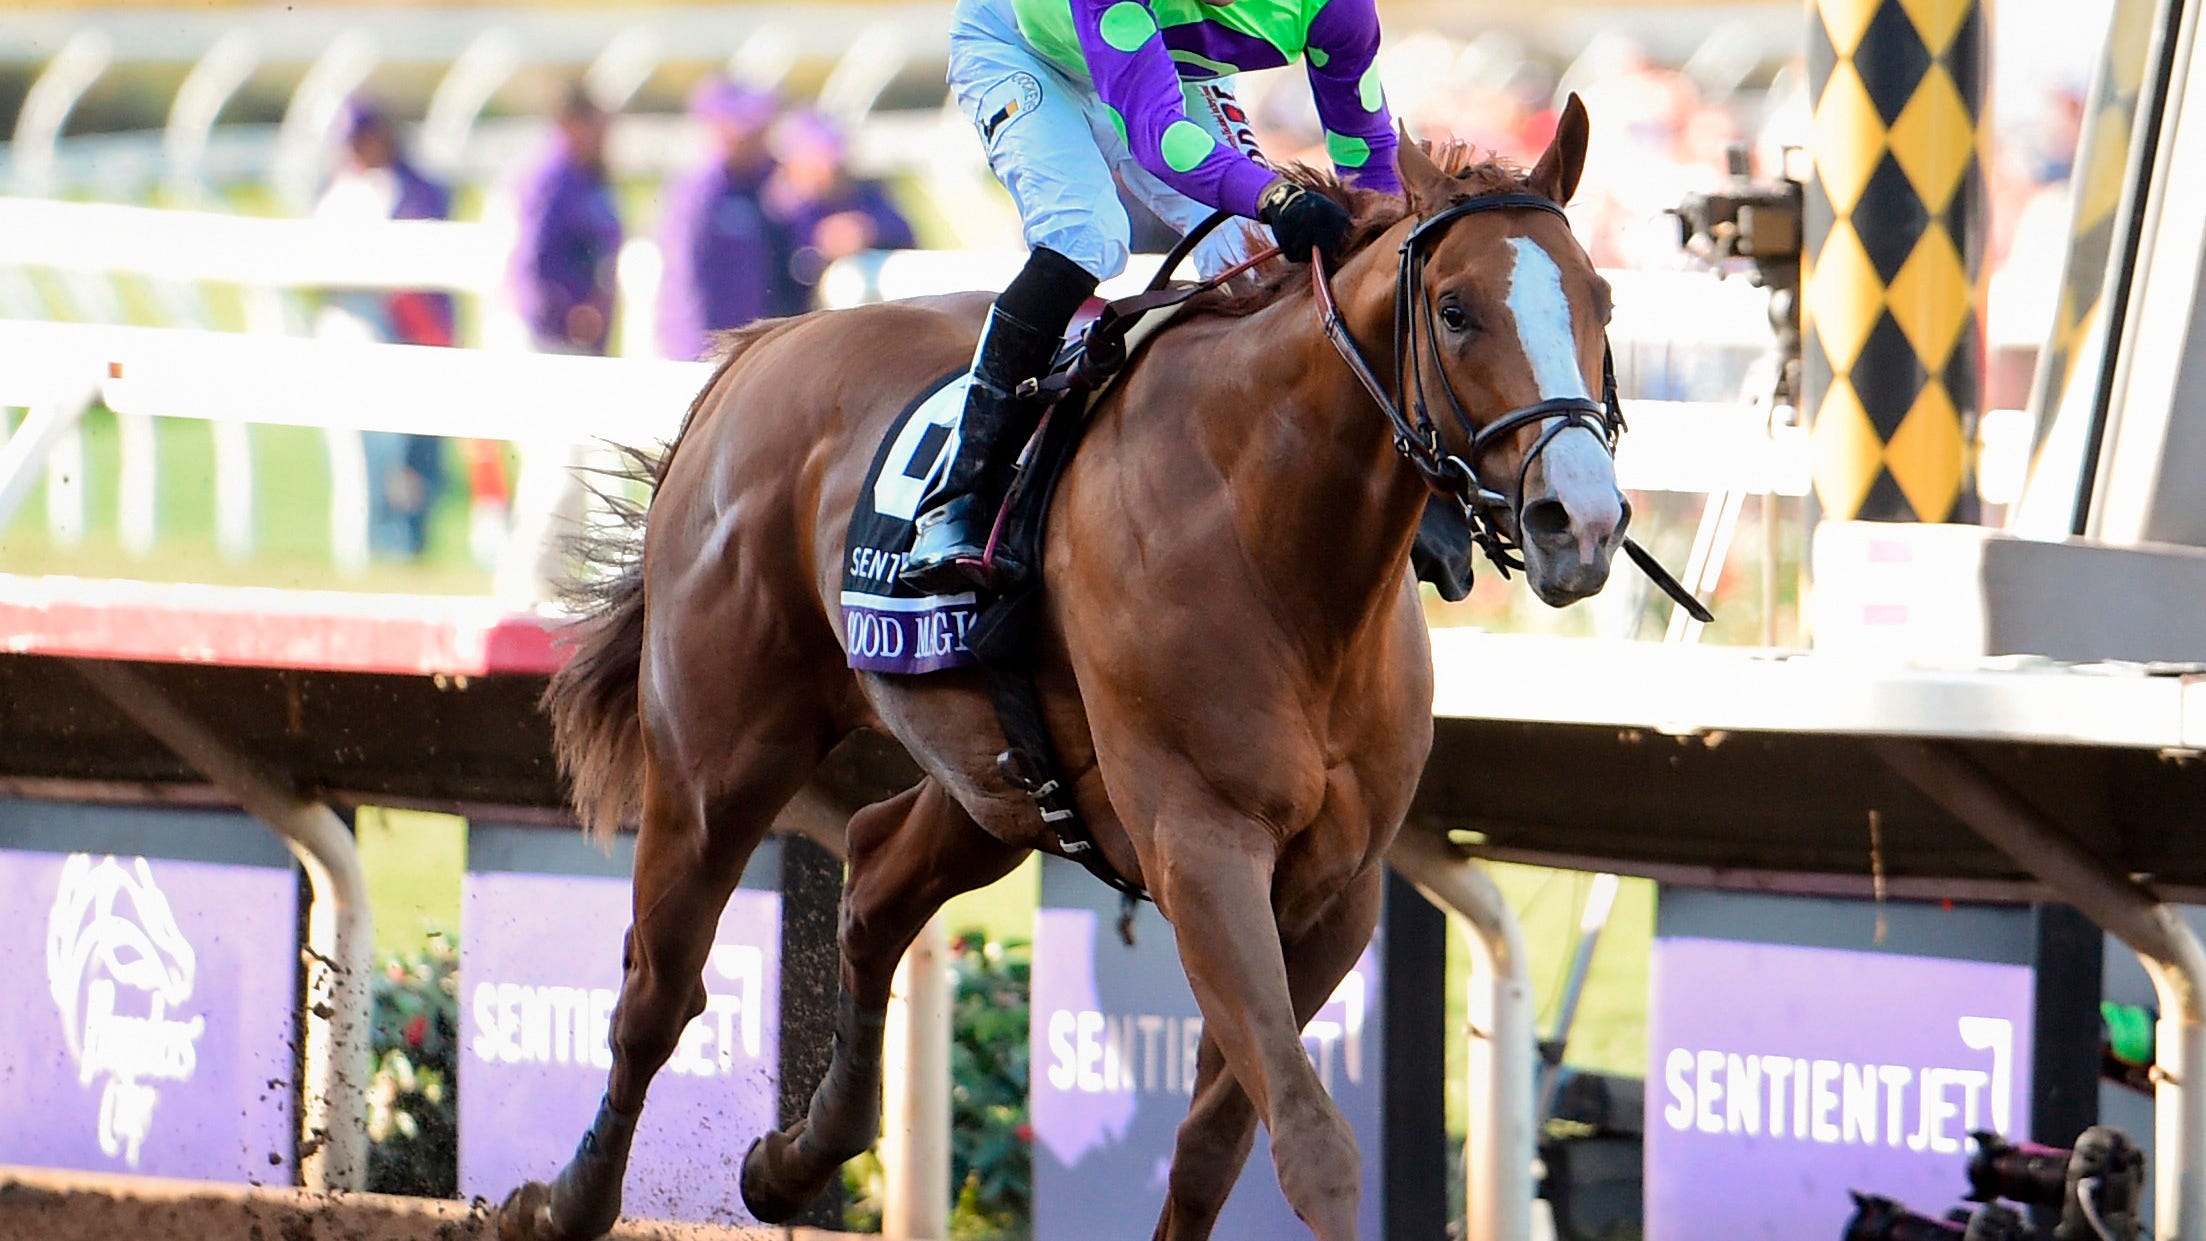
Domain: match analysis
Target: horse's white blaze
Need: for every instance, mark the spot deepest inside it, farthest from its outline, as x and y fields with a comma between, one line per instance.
x=1542, y=313
x=1577, y=467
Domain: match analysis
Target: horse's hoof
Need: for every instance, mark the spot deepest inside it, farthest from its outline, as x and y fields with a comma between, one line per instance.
x=525, y=1215
x=766, y=1195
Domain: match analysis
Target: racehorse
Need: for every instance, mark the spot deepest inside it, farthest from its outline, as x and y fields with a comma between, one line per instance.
x=1233, y=662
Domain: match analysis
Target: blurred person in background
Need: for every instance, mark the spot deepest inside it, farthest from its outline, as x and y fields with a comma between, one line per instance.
x=727, y=260
x=569, y=235
x=828, y=213
x=374, y=181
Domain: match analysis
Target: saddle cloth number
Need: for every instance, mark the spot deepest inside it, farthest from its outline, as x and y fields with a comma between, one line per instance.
x=922, y=451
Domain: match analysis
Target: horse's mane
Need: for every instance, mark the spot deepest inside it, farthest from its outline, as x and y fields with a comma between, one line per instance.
x=1372, y=213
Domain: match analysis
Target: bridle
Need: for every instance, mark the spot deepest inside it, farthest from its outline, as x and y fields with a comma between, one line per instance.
x=1416, y=436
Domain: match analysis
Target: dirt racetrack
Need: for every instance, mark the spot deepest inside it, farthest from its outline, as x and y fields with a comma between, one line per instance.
x=38, y=1204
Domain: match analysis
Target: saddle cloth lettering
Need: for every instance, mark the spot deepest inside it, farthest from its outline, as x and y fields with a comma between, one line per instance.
x=888, y=627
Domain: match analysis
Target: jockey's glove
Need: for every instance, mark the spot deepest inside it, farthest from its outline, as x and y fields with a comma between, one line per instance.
x=1302, y=219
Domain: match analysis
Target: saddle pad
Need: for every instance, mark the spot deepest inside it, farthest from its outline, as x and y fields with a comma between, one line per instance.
x=887, y=627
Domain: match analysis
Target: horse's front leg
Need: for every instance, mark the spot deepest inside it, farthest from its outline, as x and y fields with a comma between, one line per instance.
x=1213, y=1142
x=907, y=856
x=1214, y=874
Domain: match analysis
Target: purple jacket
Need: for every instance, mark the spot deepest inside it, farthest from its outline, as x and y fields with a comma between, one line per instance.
x=564, y=257
x=727, y=260
x=803, y=217
x=420, y=318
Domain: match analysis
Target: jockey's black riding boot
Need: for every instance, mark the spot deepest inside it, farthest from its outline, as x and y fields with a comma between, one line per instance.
x=1024, y=329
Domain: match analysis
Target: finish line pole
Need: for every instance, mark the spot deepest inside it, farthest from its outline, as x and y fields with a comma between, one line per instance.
x=1892, y=305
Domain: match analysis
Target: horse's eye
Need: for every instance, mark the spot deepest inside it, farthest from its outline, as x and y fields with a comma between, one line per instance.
x=1453, y=317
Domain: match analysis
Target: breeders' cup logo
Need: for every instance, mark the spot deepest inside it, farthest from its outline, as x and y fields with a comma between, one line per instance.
x=120, y=973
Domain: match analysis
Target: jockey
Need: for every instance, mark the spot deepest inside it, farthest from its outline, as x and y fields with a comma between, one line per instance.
x=1066, y=95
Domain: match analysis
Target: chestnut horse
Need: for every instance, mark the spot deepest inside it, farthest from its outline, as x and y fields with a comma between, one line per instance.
x=1234, y=667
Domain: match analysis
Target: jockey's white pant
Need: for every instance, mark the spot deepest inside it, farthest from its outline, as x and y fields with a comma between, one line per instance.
x=1051, y=142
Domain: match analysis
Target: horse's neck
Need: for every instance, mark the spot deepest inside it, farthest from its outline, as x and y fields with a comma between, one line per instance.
x=1300, y=437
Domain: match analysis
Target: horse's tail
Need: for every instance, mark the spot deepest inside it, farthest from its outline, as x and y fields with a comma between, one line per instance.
x=594, y=699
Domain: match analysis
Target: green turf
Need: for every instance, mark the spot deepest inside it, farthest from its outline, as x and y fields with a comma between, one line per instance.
x=291, y=518
x=413, y=862
x=1610, y=1033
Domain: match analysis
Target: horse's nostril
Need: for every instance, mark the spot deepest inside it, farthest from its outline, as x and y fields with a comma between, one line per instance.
x=1623, y=513
x=1546, y=519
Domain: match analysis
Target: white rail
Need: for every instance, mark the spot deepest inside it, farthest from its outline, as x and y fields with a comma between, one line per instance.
x=1703, y=447
x=547, y=404
x=219, y=247
x=303, y=382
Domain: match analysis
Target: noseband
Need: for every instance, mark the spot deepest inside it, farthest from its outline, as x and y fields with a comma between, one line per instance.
x=1416, y=436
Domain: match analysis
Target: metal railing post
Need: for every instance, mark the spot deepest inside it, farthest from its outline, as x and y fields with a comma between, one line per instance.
x=46, y=107
x=1498, y=1185
x=915, y=1092
x=489, y=59
x=623, y=67
x=198, y=104
x=23, y=454
x=302, y=141
x=2171, y=952
x=337, y=1004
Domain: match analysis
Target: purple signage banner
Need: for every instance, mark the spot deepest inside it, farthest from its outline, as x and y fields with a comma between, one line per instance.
x=539, y=972
x=149, y=1026
x=1114, y=1037
x=1781, y=1077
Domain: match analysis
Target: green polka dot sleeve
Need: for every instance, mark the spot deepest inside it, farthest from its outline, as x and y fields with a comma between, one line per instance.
x=1135, y=75
x=1351, y=102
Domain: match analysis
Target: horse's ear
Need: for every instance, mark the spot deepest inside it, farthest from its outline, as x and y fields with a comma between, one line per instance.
x=1556, y=175
x=1428, y=188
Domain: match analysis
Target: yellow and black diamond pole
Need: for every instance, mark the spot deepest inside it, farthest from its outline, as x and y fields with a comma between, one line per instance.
x=1892, y=336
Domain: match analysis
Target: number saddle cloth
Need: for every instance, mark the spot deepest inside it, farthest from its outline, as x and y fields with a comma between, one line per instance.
x=889, y=627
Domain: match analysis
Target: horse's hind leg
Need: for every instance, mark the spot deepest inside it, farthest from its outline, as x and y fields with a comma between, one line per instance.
x=907, y=856
x=1213, y=1142
x=689, y=858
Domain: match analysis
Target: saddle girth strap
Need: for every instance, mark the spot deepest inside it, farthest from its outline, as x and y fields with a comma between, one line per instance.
x=1031, y=765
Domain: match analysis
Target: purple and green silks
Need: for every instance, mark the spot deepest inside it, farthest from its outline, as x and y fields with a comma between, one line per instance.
x=1137, y=53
